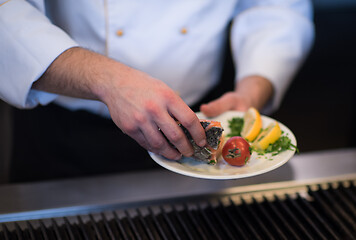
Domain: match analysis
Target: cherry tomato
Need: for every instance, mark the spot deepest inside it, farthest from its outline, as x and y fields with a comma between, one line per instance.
x=236, y=151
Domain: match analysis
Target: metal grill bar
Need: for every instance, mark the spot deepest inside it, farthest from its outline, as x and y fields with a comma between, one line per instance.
x=252, y=232
x=340, y=210
x=349, y=194
x=194, y=222
x=120, y=226
x=141, y=224
x=31, y=231
x=55, y=227
x=145, y=225
x=132, y=226
x=323, y=213
x=252, y=211
x=61, y=231
x=18, y=232
x=322, y=223
x=107, y=228
x=182, y=223
x=209, y=224
x=306, y=218
x=233, y=222
x=225, y=232
x=269, y=219
x=68, y=227
x=294, y=219
x=94, y=225
x=345, y=202
x=82, y=228
x=289, y=231
x=6, y=232
x=169, y=223
x=156, y=224
x=331, y=214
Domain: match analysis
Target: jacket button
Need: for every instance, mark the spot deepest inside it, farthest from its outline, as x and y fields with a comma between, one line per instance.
x=184, y=31
x=119, y=32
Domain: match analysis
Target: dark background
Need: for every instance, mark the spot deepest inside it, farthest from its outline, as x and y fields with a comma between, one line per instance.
x=320, y=105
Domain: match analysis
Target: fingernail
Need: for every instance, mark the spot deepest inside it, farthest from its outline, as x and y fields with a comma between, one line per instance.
x=178, y=157
x=202, y=143
x=189, y=154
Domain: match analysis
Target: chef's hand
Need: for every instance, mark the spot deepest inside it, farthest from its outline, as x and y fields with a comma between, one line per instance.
x=252, y=91
x=141, y=106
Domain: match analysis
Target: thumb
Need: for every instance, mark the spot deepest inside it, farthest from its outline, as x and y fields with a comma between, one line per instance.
x=218, y=106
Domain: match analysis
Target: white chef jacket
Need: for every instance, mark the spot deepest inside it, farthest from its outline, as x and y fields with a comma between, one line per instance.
x=177, y=41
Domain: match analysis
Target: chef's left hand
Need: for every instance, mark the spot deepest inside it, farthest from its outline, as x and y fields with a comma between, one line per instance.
x=252, y=91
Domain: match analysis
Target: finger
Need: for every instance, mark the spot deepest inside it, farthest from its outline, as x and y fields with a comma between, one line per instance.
x=157, y=143
x=132, y=131
x=175, y=135
x=151, y=139
x=190, y=121
x=218, y=106
x=140, y=139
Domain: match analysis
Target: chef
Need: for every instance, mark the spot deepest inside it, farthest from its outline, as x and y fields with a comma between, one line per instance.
x=89, y=69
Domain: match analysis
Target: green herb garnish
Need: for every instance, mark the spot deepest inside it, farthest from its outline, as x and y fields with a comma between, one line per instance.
x=282, y=144
x=235, y=125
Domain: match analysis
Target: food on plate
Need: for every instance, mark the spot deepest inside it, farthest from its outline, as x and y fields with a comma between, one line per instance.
x=282, y=144
x=236, y=151
x=269, y=140
x=252, y=160
x=214, y=132
x=268, y=136
x=252, y=124
x=235, y=125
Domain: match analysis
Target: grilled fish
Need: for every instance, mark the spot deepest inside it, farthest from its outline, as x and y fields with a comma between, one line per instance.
x=214, y=132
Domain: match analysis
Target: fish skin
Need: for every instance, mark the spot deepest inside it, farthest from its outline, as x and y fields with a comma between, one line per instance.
x=213, y=136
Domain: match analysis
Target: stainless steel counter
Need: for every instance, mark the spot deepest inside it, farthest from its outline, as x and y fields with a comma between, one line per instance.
x=65, y=195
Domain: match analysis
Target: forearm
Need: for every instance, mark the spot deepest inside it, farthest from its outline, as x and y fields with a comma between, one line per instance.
x=77, y=72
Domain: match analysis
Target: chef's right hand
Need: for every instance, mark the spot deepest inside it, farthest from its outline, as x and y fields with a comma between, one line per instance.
x=144, y=108
x=141, y=106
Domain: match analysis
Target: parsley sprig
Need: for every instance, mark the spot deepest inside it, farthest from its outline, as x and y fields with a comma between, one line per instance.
x=235, y=125
x=282, y=144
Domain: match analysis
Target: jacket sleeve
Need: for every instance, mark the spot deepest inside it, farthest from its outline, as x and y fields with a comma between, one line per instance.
x=29, y=43
x=271, y=38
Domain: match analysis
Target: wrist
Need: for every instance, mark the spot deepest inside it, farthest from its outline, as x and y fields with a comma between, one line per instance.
x=256, y=89
x=113, y=78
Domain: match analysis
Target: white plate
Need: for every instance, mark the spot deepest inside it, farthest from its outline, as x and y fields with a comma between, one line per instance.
x=258, y=164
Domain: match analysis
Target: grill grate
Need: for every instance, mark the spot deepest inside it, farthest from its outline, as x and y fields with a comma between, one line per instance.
x=324, y=211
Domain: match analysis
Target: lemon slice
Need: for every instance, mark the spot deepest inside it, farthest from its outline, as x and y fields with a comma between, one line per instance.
x=268, y=136
x=252, y=124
